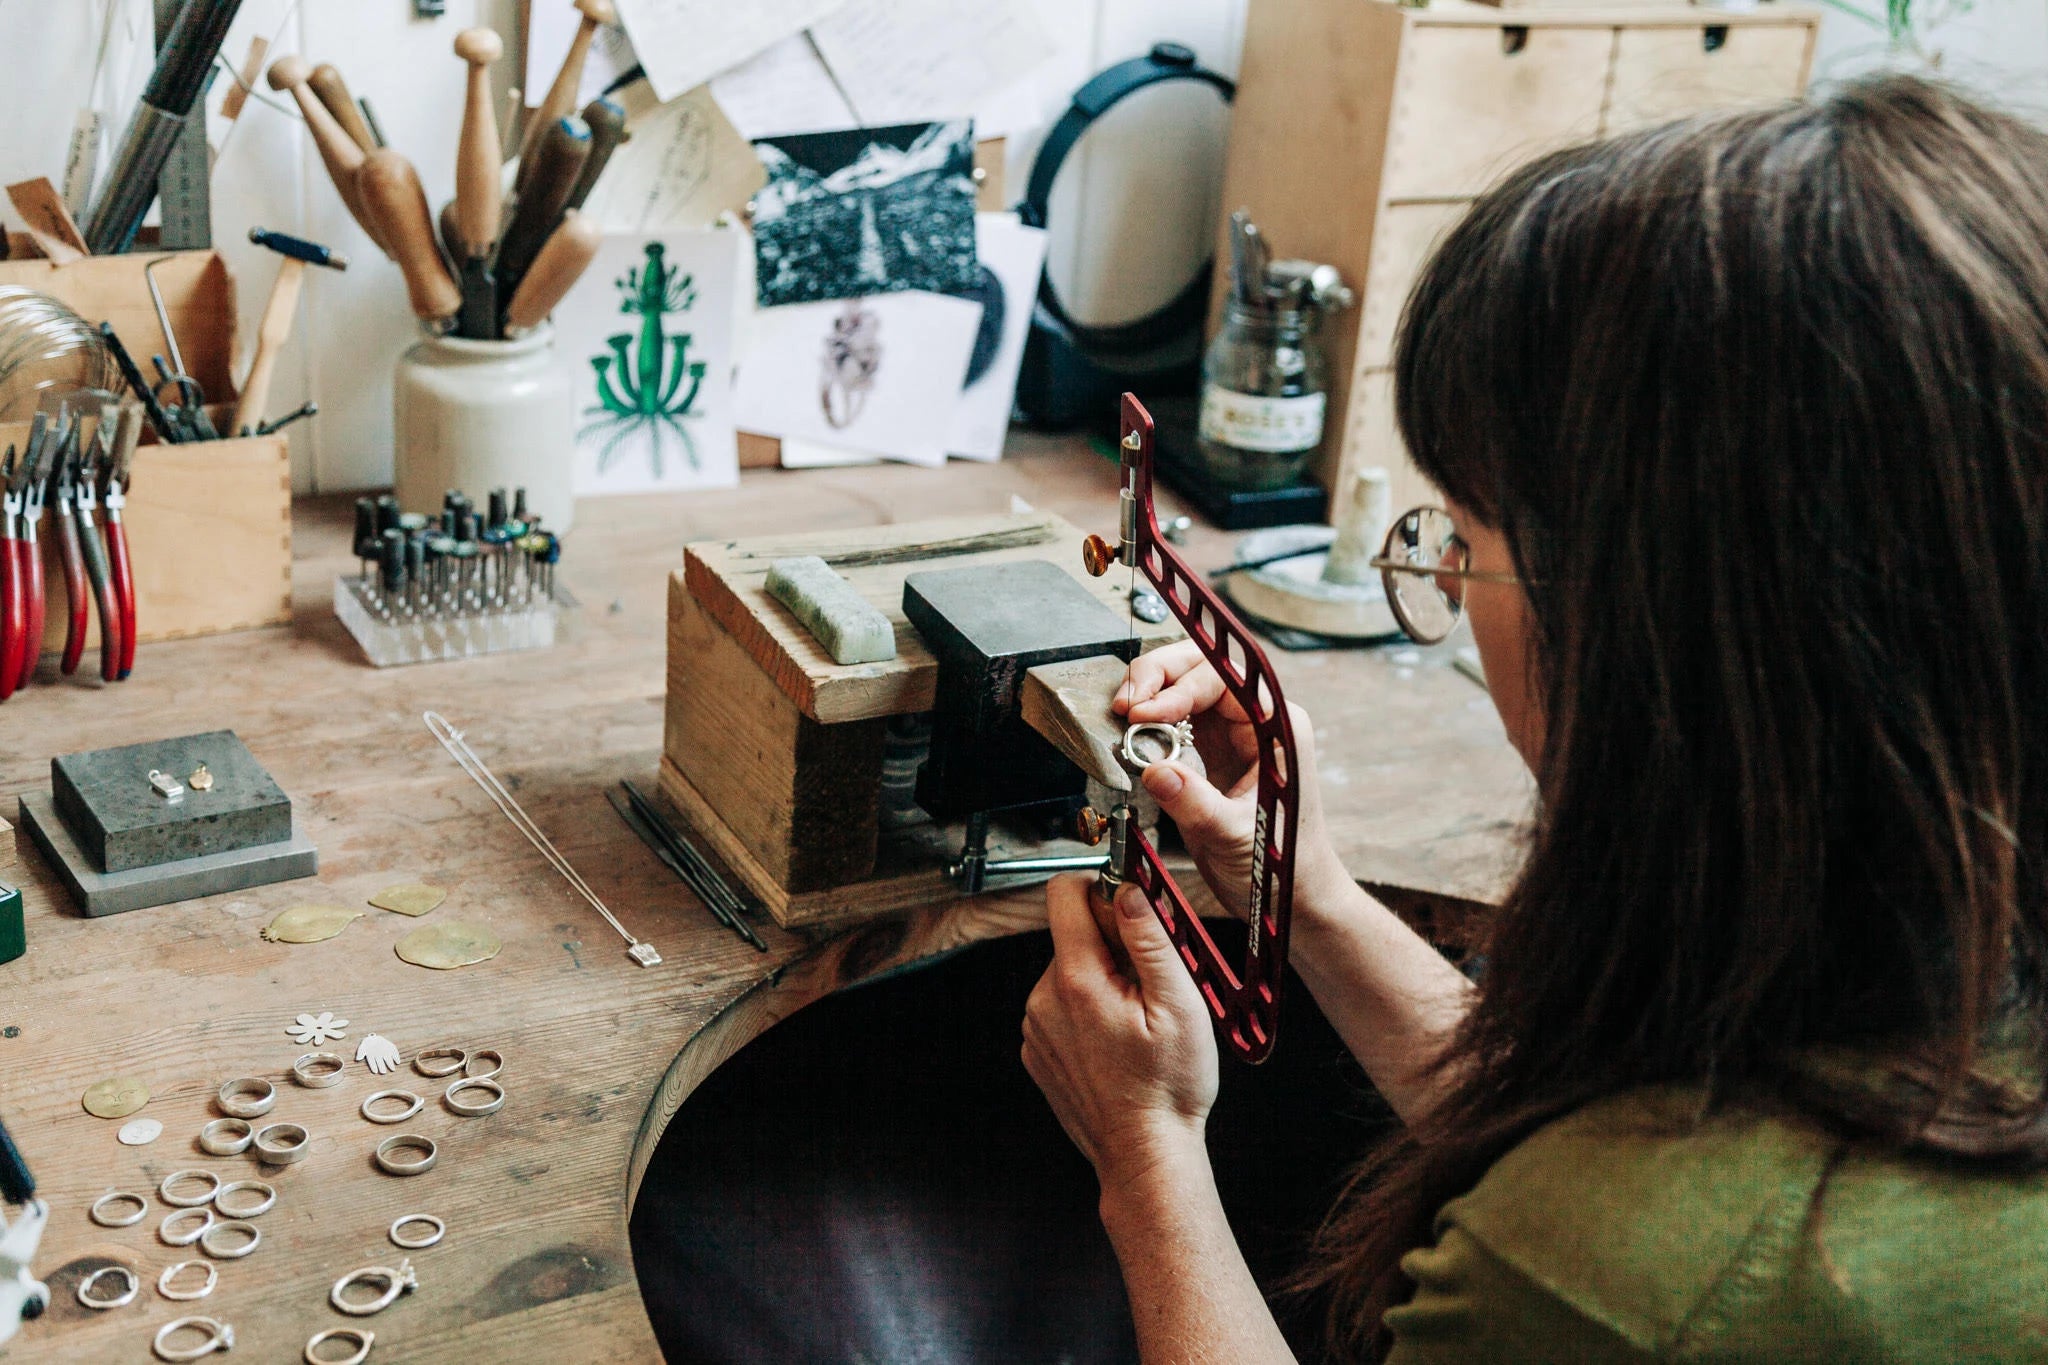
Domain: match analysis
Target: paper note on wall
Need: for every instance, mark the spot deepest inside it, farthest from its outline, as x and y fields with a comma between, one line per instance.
x=683, y=43
x=784, y=89
x=900, y=61
x=683, y=165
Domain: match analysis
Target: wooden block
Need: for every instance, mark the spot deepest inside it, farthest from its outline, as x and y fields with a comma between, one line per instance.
x=1068, y=703
x=758, y=451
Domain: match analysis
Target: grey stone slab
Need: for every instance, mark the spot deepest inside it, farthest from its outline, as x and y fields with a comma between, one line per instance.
x=123, y=824
x=111, y=893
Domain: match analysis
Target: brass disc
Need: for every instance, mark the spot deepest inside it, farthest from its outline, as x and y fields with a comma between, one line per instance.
x=413, y=898
x=448, y=945
x=116, y=1097
x=309, y=923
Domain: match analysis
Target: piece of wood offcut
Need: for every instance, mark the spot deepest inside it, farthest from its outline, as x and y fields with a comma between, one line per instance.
x=1068, y=703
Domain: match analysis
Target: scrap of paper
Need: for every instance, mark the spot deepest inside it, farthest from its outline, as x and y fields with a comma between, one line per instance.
x=904, y=60
x=683, y=165
x=1012, y=256
x=683, y=43
x=784, y=89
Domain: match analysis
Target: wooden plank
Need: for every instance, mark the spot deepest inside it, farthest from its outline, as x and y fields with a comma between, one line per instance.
x=1407, y=236
x=1068, y=703
x=1578, y=14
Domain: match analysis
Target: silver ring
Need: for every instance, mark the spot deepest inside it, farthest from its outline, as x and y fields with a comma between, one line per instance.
x=163, y=1282
x=281, y=1144
x=184, y=1239
x=1177, y=737
x=226, y=1137
x=399, y=1142
x=357, y=1335
x=470, y=1109
x=497, y=1064
x=396, y=1282
x=446, y=1062
x=250, y=1097
x=99, y=1214
x=413, y=1106
x=263, y=1205
x=236, y=1253
x=418, y=1243
x=186, y=1201
x=121, y=1300
x=219, y=1337
x=302, y=1070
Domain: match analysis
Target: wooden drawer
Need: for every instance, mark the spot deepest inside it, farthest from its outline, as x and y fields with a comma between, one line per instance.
x=1403, y=239
x=1666, y=73
x=1475, y=100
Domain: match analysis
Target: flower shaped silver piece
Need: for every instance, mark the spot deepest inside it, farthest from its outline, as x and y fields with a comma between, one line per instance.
x=311, y=1030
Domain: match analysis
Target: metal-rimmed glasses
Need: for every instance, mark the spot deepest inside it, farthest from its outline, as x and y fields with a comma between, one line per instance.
x=1424, y=566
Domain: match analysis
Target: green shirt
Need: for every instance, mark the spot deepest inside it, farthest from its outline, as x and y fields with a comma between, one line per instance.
x=1633, y=1230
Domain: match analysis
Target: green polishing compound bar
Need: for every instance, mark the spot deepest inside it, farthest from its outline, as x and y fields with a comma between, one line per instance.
x=13, y=929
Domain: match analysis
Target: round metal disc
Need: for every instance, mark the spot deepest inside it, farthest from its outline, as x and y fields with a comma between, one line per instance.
x=448, y=945
x=140, y=1132
x=115, y=1097
x=413, y=898
x=310, y=923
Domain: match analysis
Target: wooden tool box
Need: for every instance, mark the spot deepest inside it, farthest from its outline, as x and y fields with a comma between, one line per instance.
x=775, y=754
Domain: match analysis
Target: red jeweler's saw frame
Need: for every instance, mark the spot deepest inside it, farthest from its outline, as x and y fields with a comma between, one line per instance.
x=1244, y=1004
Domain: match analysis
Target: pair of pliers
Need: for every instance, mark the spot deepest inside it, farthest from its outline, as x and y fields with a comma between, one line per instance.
x=127, y=431
x=90, y=464
x=64, y=493
x=34, y=601
x=21, y=563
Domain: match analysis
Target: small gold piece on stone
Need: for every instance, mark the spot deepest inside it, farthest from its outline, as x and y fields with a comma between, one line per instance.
x=309, y=923
x=201, y=780
x=448, y=945
x=115, y=1097
x=413, y=898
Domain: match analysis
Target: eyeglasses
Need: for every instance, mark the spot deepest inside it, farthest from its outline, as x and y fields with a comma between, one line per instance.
x=1424, y=566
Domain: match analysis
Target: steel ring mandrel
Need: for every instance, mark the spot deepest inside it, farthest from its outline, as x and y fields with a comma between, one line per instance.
x=226, y=1137
x=219, y=1337
x=395, y=1282
x=247, y=1097
x=355, y=1336
x=462, y=1097
x=103, y=1215
x=407, y=1154
x=122, y=1298
x=281, y=1144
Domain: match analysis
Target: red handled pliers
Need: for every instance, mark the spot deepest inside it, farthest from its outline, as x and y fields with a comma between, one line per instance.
x=21, y=563
x=128, y=430
x=64, y=493
x=95, y=554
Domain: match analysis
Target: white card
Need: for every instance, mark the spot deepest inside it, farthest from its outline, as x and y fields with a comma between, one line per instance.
x=905, y=61
x=1014, y=255
x=816, y=455
x=784, y=89
x=683, y=43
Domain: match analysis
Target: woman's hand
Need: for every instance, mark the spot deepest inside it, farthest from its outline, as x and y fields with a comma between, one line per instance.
x=1127, y=1060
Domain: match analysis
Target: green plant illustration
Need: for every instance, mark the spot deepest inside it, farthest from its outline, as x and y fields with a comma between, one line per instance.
x=641, y=384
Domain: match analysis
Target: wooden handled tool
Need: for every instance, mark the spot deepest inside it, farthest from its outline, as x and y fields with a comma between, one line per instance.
x=276, y=327
x=561, y=96
x=327, y=83
x=395, y=202
x=338, y=151
x=559, y=265
x=607, y=120
x=479, y=186
x=557, y=159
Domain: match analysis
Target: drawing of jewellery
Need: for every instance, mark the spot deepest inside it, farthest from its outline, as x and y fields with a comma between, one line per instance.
x=281, y=1144
x=417, y=1242
x=853, y=355
x=413, y=1104
x=392, y=1163
x=1149, y=735
x=471, y=1109
x=188, y=1201
x=163, y=1281
x=249, y=1097
x=120, y=1300
x=395, y=1282
x=215, y=1244
x=356, y=1335
x=266, y=1198
x=497, y=1064
x=100, y=1214
x=226, y=1137
x=180, y=1237
x=219, y=1337
x=318, y=1070
x=437, y=1062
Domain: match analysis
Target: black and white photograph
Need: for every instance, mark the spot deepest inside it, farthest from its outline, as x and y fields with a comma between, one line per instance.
x=866, y=211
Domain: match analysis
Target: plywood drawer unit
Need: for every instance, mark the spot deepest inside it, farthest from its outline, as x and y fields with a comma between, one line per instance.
x=1362, y=131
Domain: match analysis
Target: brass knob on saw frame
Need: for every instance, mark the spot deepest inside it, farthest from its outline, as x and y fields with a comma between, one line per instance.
x=1097, y=554
x=1091, y=827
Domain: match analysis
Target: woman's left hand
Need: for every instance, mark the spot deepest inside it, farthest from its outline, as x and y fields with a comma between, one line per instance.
x=1126, y=1058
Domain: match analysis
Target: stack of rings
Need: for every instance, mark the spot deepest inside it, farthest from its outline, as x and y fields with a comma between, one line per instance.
x=163, y=1281
x=319, y=1070
x=355, y=1335
x=219, y=1337
x=250, y=1097
x=226, y=1137
x=412, y=1105
x=475, y=1108
x=281, y=1144
x=392, y=1163
x=125, y=1297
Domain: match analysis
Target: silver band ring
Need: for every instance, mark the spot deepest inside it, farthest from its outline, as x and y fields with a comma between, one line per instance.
x=416, y=1243
x=219, y=1250
x=392, y=1163
x=263, y=1205
x=281, y=1144
x=471, y=1109
x=497, y=1064
x=163, y=1281
x=182, y=1238
x=188, y=1201
x=250, y=1097
x=356, y=1335
x=437, y=1062
x=100, y=1215
x=319, y=1070
x=226, y=1137
x=219, y=1337
x=395, y=1282
x=413, y=1105
x=120, y=1300
x=1177, y=737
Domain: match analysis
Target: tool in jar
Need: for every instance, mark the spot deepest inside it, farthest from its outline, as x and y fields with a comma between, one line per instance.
x=1244, y=1004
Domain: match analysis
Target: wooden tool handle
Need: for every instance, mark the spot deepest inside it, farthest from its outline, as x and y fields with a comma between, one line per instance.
x=394, y=200
x=561, y=262
x=556, y=160
x=607, y=120
x=338, y=151
x=561, y=96
x=271, y=335
x=479, y=186
x=326, y=82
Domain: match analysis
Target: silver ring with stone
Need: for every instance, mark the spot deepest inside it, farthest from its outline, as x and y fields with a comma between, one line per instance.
x=219, y=1337
x=471, y=1109
x=188, y=1201
x=181, y=1238
x=99, y=1213
x=163, y=1281
x=355, y=1335
x=120, y=1300
x=222, y=1252
x=303, y=1070
x=226, y=1137
x=267, y=1200
x=497, y=1064
x=248, y=1097
x=1176, y=736
x=416, y=1242
x=394, y=1164
x=445, y=1061
x=281, y=1144
x=395, y=1282
x=413, y=1105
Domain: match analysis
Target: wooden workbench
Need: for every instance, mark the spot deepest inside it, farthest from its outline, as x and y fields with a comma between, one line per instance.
x=1421, y=791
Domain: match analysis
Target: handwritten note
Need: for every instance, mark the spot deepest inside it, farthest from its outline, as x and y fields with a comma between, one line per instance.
x=784, y=89
x=683, y=43
x=682, y=167
x=902, y=61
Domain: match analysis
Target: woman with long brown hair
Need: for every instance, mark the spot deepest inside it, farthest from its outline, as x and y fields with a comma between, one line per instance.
x=1741, y=426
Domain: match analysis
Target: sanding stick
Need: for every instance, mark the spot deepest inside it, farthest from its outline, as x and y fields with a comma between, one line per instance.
x=852, y=629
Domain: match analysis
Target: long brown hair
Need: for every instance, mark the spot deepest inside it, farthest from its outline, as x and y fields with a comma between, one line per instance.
x=1760, y=404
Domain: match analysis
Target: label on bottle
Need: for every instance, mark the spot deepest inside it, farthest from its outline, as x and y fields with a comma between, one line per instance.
x=1244, y=421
